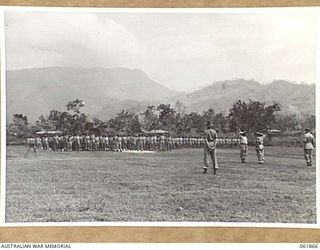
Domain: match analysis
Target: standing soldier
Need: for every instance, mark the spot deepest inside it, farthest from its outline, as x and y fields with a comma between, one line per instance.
x=119, y=143
x=31, y=144
x=308, y=146
x=143, y=142
x=155, y=143
x=38, y=142
x=170, y=142
x=46, y=142
x=243, y=146
x=210, y=137
x=107, y=139
x=88, y=142
x=135, y=142
x=83, y=142
x=260, y=147
x=162, y=142
x=124, y=143
x=140, y=147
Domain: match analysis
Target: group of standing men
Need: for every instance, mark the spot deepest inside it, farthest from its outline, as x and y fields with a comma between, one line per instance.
x=116, y=143
x=210, y=137
x=121, y=143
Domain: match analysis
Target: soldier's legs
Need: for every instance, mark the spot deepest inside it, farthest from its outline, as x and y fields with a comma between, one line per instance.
x=214, y=159
x=205, y=159
x=242, y=158
x=243, y=152
x=209, y=154
x=260, y=155
x=308, y=156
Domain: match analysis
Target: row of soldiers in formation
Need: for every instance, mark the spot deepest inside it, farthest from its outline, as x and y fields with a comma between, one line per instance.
x=121, y=143
x=163, y=143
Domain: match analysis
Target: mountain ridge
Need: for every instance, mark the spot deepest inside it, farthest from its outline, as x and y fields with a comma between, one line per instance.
x=107, y=91
x=220, y=95
x=37, y=91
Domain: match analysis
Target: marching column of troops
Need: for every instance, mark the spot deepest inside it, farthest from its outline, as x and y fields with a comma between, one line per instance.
x=121, y=143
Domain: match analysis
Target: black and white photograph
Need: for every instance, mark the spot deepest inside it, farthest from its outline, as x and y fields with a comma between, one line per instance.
x=149, y=115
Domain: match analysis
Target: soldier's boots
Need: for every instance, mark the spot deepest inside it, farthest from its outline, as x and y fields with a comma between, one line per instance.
x=205, y=170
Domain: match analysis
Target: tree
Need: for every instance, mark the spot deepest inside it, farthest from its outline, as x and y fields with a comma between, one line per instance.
x=125, y=122
x=309, y=122
x=75, y=122
x=220, y=123
x=238, y=115
x=252, y=116
x=61, y=121
x=194, y=122
x=75, y=105
x=180, y=108
x=43, y=123
x=19, y=125
x=166, y=117
x=150, y=118
x=134, y=124
x=270, y=114
x=208, y=115
x=183, y=125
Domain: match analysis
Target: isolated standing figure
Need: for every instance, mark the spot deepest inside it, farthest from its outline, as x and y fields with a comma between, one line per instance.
x=210, y=138
x=243, y=146
x=308, y=146
x=31, y=144
x=260, y=147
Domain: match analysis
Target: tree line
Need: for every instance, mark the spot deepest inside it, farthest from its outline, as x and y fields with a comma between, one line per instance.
x=249, y=115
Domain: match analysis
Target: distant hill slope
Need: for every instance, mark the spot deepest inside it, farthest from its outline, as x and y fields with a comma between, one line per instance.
x=293, y=98
x=106, y=92
x=37, y=91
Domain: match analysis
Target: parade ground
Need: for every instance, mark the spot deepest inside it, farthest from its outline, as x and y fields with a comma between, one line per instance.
x=159, y=186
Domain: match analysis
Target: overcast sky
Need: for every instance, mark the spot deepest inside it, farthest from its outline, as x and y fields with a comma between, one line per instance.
x=180, y=51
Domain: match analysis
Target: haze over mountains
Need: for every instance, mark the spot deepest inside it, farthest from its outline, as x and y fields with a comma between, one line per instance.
x=106, y=92
x=37, y=91
x=293, y=98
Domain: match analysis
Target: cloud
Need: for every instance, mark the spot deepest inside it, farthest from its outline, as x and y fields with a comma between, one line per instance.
x=181, y=51
x=59, y=39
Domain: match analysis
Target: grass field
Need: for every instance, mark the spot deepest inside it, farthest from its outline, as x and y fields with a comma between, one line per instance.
x=162, y=186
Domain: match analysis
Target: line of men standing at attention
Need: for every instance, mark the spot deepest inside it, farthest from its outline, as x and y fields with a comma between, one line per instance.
x=121, y=143
x=211, y=138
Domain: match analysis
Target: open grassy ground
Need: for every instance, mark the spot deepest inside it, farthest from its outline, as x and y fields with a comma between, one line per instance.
x=162, y=186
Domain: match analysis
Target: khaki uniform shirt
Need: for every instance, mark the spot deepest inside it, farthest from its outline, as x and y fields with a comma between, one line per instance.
x=308, y=141
x=210, y=135
x=243, y=140
x=259, y=142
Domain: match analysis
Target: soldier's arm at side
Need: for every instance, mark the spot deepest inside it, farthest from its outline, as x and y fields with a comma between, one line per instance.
x=313, y=142
x=215, y=139
x=205, y=139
